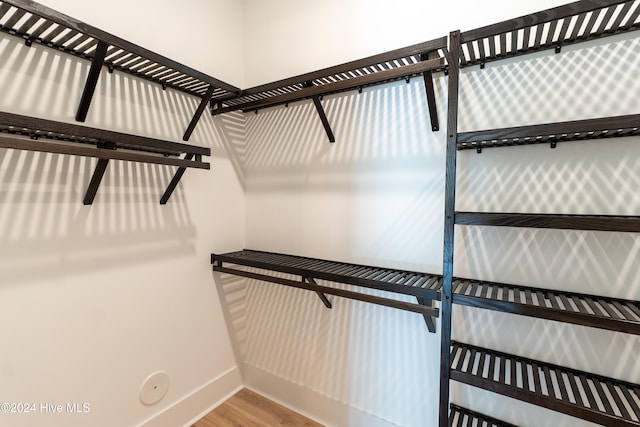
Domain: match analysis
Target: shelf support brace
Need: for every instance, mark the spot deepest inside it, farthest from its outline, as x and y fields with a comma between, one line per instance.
x=430, y=92
x=323, y=118
x=92, y=80
x=196, y=116
x=430, y=320
x=98, y=173
x=321, y=113
x=96, y=179
x=174, y=182
x=322, y=296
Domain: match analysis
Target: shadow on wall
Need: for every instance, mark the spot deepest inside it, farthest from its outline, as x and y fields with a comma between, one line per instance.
x=351, y=200
x=381, y=127
x=42, y=218
x=597, y=78
x=230, y=130
x=338, y=353
x=234, y=309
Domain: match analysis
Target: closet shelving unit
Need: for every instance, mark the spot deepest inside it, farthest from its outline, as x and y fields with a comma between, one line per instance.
x=422, y=59
x=606, y=401
x=47, y=136
x=36, y=23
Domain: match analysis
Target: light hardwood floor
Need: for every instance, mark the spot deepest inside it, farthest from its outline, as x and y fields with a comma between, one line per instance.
x=249, y=409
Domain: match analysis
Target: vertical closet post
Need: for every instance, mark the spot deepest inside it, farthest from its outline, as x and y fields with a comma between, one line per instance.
x=449, y=226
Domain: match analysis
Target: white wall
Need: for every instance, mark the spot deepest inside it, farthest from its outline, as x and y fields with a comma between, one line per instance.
x=376, y=197
x=93, y=299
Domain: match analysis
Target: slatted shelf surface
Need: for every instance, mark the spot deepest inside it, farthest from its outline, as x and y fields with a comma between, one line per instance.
x=389, y=66
x=66, y=138
x=552, y=133
x=619, y=223
x=588, y=310
x=463, y=417
x=39, y=24
x=552, y=28
x=595, y=398
x=398, y=281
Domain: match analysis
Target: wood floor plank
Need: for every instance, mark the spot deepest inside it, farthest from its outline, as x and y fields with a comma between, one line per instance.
x=249, y=409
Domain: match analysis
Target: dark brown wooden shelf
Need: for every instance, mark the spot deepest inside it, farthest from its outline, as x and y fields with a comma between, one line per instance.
x=552, y=133
x=423, y=286
x=34, y=134
x=36, y=23
x=595, y=398
x=398, y=281
x=389, y=66
x=463, y=417
x=418, y=60
x=619, y=223
x=580, y=309
x=549, y=29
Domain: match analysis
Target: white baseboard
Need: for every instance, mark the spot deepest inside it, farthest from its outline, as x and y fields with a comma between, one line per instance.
x=307, y=402
x=199, y=402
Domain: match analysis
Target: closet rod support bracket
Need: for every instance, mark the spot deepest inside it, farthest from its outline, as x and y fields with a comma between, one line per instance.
x=430, y=92
x=196, y=116
x=322, y=296
x=96, y=179
x=174, y=182
x=429, y=320
x=323, y=119
x=92, y=80
x=317, y=101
